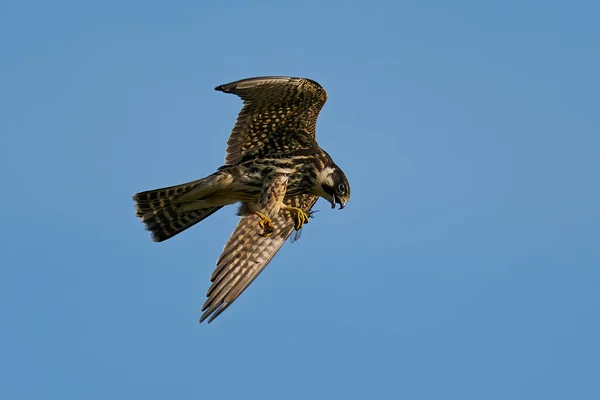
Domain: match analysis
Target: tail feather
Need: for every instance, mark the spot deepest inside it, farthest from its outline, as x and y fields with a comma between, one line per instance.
x=154, y=200
x=161, y=217
x=168, y=222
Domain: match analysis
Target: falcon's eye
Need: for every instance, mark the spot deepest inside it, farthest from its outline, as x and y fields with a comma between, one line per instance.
x=342, y=188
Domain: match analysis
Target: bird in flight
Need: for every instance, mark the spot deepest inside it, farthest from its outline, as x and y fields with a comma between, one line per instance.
x=273, y=167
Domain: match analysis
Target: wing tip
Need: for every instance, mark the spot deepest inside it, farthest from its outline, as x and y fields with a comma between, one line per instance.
x=213, y=312
x=249, y=82
x=229, y=87
x=222, y=88
x=203, y=317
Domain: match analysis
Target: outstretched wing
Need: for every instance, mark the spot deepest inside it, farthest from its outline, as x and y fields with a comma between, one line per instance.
x=246, y=254
x=279, y=116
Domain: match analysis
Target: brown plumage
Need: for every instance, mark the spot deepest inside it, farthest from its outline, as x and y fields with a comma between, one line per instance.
x=245, y=255
x=279, y=116
x=273, y=166
x=157, y=211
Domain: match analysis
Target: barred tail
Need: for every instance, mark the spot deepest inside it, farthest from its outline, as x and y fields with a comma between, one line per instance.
x=161, y=217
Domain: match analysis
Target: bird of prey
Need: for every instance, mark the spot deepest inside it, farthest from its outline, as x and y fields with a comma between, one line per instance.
x=273, y=167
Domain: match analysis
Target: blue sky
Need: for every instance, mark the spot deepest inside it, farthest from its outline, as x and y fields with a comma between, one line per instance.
x=466, y=265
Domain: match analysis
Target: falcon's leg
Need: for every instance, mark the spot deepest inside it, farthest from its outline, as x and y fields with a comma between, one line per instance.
x=299, y=216
x=271, y=201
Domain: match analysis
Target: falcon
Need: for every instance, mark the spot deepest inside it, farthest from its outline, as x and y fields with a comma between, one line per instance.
x=273, y=167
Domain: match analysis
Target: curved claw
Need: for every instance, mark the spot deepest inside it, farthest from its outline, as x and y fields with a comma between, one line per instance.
x=266, y=224
x=300, y=218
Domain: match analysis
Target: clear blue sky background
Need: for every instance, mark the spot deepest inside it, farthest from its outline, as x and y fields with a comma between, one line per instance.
x=466, y=265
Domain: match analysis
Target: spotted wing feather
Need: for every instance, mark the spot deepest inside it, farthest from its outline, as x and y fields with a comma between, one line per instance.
x=245, y=255
x=279, y=116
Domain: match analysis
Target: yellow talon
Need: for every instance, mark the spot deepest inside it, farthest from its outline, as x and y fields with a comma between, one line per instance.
x=299, y=216
x=266, y=224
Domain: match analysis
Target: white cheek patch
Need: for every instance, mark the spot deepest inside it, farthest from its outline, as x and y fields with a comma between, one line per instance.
x=325, y=176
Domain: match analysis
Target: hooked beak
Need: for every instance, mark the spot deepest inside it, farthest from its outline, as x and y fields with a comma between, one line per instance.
x=336, y=200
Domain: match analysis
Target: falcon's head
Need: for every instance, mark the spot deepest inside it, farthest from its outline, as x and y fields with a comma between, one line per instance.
x=334, y=186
